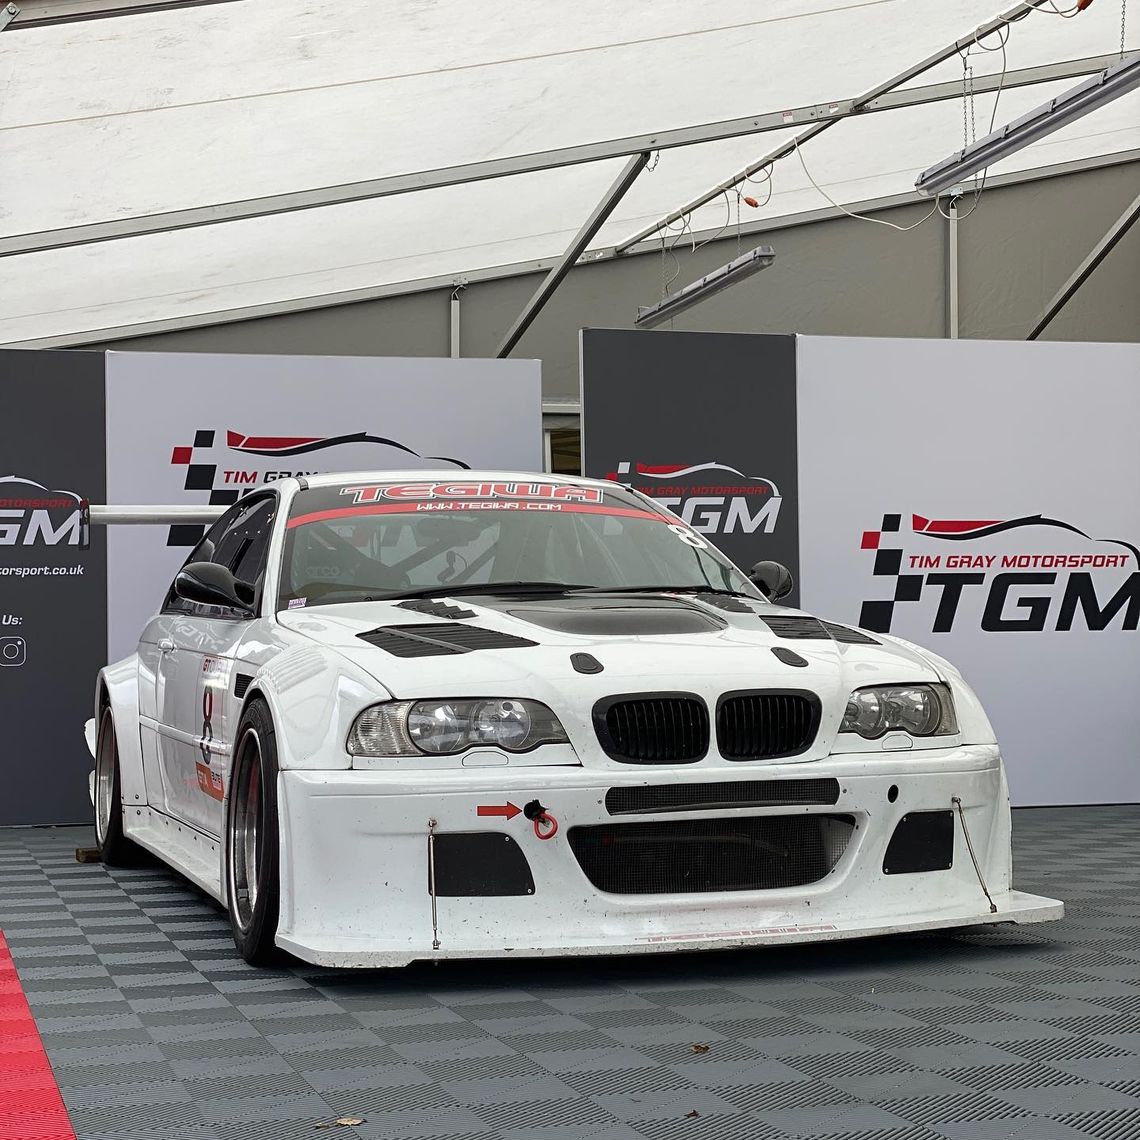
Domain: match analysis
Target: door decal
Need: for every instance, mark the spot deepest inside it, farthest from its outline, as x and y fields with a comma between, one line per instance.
x=209, y=781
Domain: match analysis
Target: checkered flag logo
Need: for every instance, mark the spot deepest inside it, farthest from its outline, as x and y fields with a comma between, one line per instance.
x=199, y=477
x=878, y=615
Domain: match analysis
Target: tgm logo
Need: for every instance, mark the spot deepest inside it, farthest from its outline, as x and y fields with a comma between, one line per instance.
x=711, y=497
x=1026, y=574
x=244, y=462
x=33, y=515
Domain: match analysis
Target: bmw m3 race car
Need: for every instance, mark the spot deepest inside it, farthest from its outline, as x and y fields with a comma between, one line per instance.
x=395, y=716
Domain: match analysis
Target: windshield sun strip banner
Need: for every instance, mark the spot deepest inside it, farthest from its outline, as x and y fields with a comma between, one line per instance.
x=473, y=505
x=456, y=489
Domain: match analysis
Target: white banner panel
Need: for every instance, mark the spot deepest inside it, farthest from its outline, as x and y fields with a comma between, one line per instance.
x=196, y=428
x=982, y=499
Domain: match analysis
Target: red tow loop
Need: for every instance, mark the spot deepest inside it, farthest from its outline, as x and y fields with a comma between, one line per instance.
x=545, y=825
x=547, y=820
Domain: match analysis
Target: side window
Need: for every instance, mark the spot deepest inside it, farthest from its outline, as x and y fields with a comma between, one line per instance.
x=244, y=546
x=239, y=540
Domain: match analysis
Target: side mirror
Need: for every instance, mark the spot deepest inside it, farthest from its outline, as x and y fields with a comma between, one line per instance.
x=212, y=585
x=773, y=578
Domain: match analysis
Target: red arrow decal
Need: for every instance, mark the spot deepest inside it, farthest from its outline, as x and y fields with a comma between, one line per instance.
x=508, y=809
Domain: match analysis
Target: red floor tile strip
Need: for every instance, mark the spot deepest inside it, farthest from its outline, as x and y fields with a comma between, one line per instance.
x=30, y=1105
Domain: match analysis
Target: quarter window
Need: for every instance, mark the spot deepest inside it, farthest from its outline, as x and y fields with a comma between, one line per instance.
x=239, y=541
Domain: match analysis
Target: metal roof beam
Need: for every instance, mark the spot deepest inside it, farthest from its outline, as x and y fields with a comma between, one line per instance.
x=858, y=105
x=821, y=114
x=1083, y=271
x=218, y=317
x=577, y=247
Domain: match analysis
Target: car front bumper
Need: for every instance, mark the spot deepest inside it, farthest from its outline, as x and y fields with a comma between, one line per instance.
x=357, y=852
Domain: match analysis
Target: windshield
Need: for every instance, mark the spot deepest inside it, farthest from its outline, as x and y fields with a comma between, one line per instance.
x=356, y=542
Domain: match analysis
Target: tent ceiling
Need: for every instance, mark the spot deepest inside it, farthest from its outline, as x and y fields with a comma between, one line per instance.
x=179, y=109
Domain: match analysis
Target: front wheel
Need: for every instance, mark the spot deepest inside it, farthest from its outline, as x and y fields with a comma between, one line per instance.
x=115, y=850
x=252, y=853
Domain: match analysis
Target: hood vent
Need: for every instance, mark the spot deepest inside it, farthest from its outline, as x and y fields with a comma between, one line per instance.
x=796, y=628
x=434, y=609
x=440, y=639
x=619, y=617
x=848, y=636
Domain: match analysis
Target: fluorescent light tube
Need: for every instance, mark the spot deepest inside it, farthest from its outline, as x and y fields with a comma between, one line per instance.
x=44, y=13
x=1041, y=121
x=744, y=266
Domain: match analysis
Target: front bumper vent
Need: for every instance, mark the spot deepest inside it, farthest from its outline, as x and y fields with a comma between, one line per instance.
x=657, y=728
x=762, y=853
x=765, y=725
x=721, y=795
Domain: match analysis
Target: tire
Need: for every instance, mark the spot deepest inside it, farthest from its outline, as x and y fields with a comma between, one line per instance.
x=115, y=850
x=252, y=854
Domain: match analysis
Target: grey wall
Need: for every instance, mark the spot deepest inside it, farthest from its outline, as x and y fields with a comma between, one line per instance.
x=835, y=277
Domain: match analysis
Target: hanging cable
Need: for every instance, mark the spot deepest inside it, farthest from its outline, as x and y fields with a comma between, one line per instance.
x=667, y=252
x=980, y=186
x=727, y=222
x=862, y=217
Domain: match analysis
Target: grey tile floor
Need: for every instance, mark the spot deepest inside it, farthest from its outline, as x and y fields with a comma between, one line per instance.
x=157, y=1030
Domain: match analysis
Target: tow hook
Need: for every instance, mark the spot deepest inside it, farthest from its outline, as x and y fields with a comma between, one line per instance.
x=545, y=825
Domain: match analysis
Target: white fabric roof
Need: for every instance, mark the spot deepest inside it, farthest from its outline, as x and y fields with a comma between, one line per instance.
x=114, y=118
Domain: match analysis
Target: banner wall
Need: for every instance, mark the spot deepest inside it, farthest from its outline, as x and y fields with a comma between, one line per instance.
x=53, y=593
x=981, y=499
x=704, y=422
x=193, y=428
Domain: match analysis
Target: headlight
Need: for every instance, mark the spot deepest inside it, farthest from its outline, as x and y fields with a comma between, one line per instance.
x=921, y=710
x=443, y=728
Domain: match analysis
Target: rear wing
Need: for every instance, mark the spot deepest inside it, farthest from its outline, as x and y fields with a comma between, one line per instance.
x=103, y=514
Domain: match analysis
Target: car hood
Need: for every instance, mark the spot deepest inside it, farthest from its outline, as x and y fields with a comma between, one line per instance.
x=645, y=643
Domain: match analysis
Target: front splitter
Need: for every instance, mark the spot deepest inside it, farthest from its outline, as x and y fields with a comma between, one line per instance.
x=1012, y=907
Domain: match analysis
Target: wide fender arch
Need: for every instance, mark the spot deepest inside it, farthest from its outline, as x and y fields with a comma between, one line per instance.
x=314, y=695
x=118, y=686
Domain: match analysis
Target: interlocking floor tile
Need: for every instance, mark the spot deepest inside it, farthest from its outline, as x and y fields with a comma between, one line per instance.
x=157, y=1029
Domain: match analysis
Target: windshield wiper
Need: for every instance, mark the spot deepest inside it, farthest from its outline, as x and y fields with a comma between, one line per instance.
x=446, y=591
x=667, y=590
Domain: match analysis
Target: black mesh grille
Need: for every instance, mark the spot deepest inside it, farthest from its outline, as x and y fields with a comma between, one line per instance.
x=722, y=794
x=765, y=725
x=665, y=728
x=757, y=854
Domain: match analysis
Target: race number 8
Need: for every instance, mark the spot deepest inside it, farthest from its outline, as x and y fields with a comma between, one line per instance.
x=688, y=537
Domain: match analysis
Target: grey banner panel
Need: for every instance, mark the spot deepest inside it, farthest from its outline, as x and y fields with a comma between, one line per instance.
x=53, y=592
x=704, y=422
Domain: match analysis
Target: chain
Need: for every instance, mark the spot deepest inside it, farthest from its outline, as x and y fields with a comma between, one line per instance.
x=1123, y=24
x=738, y=221
x=973, y=124
x=965, y=100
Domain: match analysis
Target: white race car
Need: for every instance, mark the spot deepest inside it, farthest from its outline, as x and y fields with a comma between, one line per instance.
x=412, y=715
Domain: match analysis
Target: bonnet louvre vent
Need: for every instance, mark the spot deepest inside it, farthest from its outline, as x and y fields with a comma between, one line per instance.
x=440, y=639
